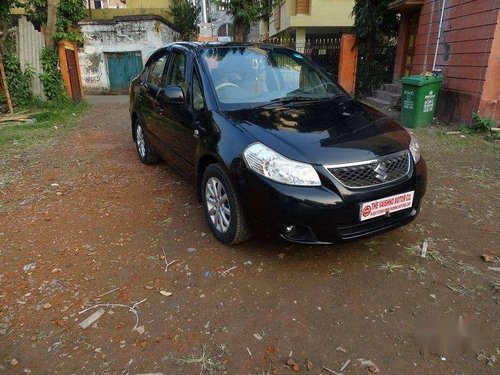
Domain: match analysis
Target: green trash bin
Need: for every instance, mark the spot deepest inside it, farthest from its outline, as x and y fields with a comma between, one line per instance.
x=418, y=101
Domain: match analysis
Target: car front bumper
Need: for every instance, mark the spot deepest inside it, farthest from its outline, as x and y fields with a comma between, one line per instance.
x=328, y=213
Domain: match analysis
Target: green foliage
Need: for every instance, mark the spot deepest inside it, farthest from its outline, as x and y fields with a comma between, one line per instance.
x=185, y=17
x=247, y=12
x=482, y=125
x=5, y=5
x=51, y=77
x=69, y=13
x=19, y=82
x=36, y=10
x=376, y=28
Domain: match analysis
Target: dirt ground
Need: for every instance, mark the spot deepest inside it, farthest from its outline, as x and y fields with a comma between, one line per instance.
x=83, y=217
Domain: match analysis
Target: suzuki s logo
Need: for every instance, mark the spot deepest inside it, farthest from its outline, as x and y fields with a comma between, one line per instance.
x=381, y=171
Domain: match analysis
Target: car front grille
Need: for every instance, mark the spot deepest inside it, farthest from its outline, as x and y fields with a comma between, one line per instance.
x=373, y=172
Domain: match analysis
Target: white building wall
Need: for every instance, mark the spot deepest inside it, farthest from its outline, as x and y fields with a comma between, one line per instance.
x=99, y=38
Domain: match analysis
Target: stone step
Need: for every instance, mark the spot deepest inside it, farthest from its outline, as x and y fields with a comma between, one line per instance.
x=394, y=87
x=377, y=103
x=388, y=96
x=383, y=106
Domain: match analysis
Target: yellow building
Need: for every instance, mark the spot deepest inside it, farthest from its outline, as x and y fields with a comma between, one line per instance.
x=155, y=4
x=108, y=9
x=305, y=19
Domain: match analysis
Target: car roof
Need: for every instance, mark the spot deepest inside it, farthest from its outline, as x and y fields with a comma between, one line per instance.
x=197, y=46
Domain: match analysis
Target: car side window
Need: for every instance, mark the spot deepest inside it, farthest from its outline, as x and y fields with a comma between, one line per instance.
x=198, y=99
x=177, y=72
x=156, y=71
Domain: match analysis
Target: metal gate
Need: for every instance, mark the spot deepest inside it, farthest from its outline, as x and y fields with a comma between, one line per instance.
x=323, y=51
x=123, y=67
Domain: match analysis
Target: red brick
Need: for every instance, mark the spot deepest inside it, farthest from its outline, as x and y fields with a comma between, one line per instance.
x=455, y=105
x=470, y=46
x=465, y=72
x=475, y=20
x=476, y=33
x=464, y=85
x=473, y=59
x=471, y=8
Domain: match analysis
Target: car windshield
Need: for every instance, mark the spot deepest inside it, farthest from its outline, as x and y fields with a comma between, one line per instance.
x=247, y=76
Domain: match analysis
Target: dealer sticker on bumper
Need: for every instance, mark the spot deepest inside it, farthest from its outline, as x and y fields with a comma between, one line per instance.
x=384, y=206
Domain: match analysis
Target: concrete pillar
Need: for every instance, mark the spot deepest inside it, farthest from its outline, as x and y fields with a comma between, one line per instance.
x=300, y=39
x=348, y=63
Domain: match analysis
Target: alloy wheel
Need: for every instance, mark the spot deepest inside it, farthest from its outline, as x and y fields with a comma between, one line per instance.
x=217, y=203
x=141, y=143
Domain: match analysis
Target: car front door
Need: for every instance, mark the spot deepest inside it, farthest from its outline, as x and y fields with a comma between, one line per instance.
x=177, y=125
x=151, y=87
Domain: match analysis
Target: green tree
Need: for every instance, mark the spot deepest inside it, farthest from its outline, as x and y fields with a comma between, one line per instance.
x=36, y=11
x=185, y=16
x=376, y=28
x=69, y=13
x=247, y=12
x=5, y=21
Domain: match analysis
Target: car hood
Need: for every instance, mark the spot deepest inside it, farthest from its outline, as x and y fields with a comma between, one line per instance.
x=326, y=132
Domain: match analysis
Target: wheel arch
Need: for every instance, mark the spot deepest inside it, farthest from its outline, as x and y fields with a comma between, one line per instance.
x=133, y=117
x=202, y=164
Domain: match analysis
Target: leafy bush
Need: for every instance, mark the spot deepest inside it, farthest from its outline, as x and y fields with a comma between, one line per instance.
x=480, y=124
x=376, y=28
x=483, y=125
x=20, y=83
x=51, y=77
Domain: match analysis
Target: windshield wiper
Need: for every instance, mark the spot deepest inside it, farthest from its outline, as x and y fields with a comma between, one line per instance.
x=289, y=99
x=297, y=98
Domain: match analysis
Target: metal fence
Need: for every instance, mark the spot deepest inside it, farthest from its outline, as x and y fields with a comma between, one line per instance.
x=29, y=45
x=323, y=51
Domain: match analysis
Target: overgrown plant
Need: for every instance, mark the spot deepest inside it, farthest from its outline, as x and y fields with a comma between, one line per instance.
x=51, y=77
x=5, y=21
x=69, y=13
x=482, y=125
x=20, y=83
x=36, y=11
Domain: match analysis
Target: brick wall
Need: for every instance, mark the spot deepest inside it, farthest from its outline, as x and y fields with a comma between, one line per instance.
x=464, y=51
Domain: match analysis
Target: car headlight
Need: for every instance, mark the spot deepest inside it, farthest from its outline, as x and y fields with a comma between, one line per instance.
x=414, y=149
x=268, y=163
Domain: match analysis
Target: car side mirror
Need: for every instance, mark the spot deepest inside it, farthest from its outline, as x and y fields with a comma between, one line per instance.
x=171, y=95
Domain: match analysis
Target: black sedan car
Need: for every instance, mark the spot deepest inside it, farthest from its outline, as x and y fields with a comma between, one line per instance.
x=270, y=140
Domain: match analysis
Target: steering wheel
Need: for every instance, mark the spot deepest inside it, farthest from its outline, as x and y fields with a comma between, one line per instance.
x=225, y=84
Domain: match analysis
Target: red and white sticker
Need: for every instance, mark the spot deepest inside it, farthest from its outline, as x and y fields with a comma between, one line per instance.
x=383, y=206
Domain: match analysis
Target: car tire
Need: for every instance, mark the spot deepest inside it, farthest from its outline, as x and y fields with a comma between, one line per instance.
x=147, y=154
x=223, y=212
